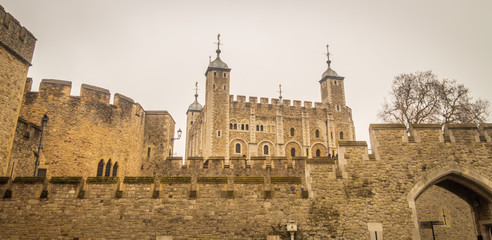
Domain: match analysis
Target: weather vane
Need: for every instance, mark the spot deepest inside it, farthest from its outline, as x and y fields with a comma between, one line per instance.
x=196, y=90
x=280, y=91
x=218, y=41
x=328, y=55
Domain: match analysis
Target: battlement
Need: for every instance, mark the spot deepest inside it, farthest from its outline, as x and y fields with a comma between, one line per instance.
x=253, y=101
x=179, y=187
x=60, y=90
x=16, y=38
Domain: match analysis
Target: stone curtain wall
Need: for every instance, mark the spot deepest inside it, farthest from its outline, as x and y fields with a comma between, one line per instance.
x=207, y=198
x=16, y=50
x=84, y=129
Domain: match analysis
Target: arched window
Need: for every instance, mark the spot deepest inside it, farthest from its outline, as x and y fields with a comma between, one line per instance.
x=341, y=135
x=261, y=128
x=230, y=125
x=235, y=126
x=292, y=131
x=265, y=150
x=338, y=107
x=247, y=127
x=115, y=169
x=292, y=152
x=257, y=128
x=108, y=169
x=242, y=126
x=318, y=153
x=316, y=133
x=100, y=168
x=238, y=148
x=331, y=135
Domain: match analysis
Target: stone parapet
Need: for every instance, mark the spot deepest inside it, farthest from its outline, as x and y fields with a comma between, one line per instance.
x=16, y=38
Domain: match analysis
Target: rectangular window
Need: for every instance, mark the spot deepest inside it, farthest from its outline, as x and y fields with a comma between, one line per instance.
x=41, y=172
x=148, y=152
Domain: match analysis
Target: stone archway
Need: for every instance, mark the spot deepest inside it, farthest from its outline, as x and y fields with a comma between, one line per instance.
x=467, y=186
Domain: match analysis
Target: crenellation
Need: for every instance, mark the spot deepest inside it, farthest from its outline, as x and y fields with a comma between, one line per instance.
x=28, y=86
x=463, y=133
x=297, y=103
x=318, y=105
x=263, y=100
x=253, y=100
x=485, y=130
x=308, y=104
x=16, y=38
x=286, y=102
x=426, y=133
x=241, y=99
x=89, y=93
x=55, y=89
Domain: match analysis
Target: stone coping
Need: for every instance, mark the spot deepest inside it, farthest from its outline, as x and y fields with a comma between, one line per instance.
x=246, y=180
x=139, y=180
x=30, y=180
x=285, y=179
x=387, y=126
x=212, y=179
x=186, y=179
x=461, y=126
x=66, y=180
x=352, y=143
x=102, y=180
x=426, y=126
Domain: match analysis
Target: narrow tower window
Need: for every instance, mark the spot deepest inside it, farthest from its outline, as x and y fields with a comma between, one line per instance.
x=261, y=128
x=292, y=152
x=218, y=133
x=265, y=150
x=316, y=133
x=108, y=169
x=341, y=135
x=115, y=169
x=247, y=127
x=100, y=168
x=230, y=125
x=235, y=126
x=148, y=152
x=257, y=128
x=224, y=74
x=292, y=131
x=318, y=153
x=242, y=126
x=238, y=148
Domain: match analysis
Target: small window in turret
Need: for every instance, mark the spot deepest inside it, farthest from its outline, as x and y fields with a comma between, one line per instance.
x=225, y=87
x=341, y=135
x=247, y=127
x=316, y=133
x=242, y=127
x=224, y=74
x=191, y=123
x=214, y=86
x=338, y=108
x=218, y=133
x=215, y=74
x=292, y=131
x=335, y=82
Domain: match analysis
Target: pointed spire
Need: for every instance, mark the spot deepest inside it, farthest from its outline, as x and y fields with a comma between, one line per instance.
x=217, y=63
x=195, y=106
x=329, y=72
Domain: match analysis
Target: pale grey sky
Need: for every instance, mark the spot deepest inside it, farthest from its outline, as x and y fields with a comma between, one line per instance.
x=153, y=51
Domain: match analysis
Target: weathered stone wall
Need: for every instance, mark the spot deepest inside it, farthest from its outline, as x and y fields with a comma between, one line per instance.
x=25, y=148
x=438, y=204
x=208, y=198
x=159, y=130
x=16, y=50
x=83, y=130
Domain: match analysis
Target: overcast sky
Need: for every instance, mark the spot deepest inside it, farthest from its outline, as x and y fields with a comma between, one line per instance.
x=154, y=51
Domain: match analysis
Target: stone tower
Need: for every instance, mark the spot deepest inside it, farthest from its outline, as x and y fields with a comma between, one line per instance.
x=192, y=114
x=217, y=107
x=340, y=123
x=16, y=51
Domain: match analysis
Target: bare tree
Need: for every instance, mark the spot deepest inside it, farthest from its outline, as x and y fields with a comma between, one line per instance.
x=421, y=98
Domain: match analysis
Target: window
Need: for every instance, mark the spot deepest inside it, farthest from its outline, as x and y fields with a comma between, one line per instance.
x=230, y=125
x=292, y=131
x=265, y=150
x=316, y=133
x=218, y=133
x=261, y=128
x=115, y=169
x=224, y=74
x=100, y=168
x=42, y=172
x=338, y=107
x=215, y=74
x=292, y=152
x=242, y=126
x=247, y=127
x=238, y=148
x=341, y=135
x=331, y=135
x=108, y=169
x=257, y=127
x=235, y=126
x=191, y=123
x=148, y=152
x=214, y=86
x=318, y=153
x=307, y=152
x=225, y=87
